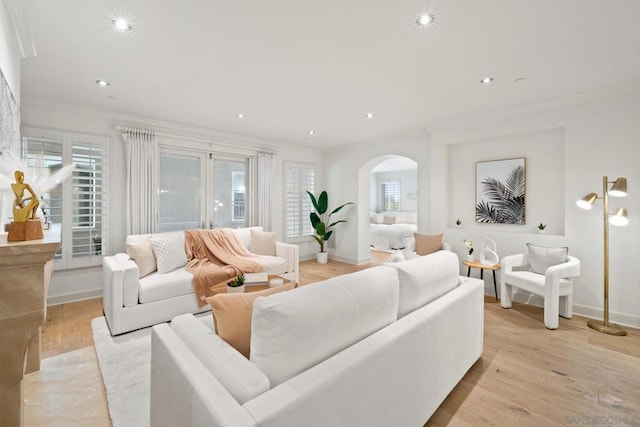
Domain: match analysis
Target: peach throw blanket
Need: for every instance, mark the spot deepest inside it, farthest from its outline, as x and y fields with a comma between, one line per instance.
x=214, y=257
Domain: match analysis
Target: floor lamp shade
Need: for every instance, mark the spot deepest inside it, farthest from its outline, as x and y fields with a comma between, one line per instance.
x=619, y=218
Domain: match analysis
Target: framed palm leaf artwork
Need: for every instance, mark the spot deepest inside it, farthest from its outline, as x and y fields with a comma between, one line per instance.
x=500, y=191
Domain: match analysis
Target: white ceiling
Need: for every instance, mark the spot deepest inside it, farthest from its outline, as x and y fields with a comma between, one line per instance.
x=292, y=65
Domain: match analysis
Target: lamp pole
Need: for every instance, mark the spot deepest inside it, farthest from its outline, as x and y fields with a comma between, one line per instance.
x=604, y=326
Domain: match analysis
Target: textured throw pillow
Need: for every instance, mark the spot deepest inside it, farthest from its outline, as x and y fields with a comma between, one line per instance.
x=263, y=242
x=427, y=244
x=542, y=257
x=389, y=220
x=140, y=251
x=232, y=315
x=169, y=251
x=377, y=218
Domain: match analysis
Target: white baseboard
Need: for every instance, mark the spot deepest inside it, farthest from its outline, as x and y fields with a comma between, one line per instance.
x=74, y=297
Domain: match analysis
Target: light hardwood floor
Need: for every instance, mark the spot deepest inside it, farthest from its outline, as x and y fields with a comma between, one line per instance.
x=527, y=375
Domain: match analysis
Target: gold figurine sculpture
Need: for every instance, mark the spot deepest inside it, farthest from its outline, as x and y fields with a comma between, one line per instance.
x=25, y=225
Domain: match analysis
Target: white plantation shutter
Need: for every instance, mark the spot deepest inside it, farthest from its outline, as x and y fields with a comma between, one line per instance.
x=300, y=178
x=390, y=196
x=79, y=205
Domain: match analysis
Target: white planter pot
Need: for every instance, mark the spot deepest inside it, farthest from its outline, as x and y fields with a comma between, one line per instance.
x=322, y=257
x=233, y=289
x=470, y=258
x=542, y=231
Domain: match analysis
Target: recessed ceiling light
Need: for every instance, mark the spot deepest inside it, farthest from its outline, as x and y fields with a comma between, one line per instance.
x=311, y=132
x=240, y=116
x=369, y=115
x=426, y=19
x=103, y=83
x=122, y=24
x=486, y=80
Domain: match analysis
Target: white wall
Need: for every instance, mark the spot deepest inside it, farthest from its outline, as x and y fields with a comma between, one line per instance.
x=85, y=283
x=9, y=53
x=600, y=137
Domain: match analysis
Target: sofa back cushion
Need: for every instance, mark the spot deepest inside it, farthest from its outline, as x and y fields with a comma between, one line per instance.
x=425, y=278
x=239, y=376
x=293, y=331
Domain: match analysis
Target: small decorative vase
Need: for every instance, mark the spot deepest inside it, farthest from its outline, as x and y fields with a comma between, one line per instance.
x=470, y=258
x=322, y=257
x=542, y=231
x=233, y=289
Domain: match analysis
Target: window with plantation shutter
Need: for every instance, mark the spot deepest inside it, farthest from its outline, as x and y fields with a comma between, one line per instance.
x=299, y=179
x=78, y=206
x=390, y=196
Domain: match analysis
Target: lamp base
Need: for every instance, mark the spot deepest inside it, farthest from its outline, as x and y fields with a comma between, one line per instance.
x=610, y=329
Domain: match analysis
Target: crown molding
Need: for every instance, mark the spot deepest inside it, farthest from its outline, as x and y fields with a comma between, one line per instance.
x=610, y=92
x=215, y=137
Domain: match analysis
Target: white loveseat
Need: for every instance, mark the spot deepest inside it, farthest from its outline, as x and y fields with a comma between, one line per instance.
x=380, y=347
x=131, y=302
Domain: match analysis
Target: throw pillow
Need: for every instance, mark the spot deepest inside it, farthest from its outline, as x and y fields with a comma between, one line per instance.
x=377, y=218
x=140, y=251
x=542, y=257
x=169, y=251
x=232, y=315
x=263, y=242
x=396, y=256
x=427, y=244
x=389, y=220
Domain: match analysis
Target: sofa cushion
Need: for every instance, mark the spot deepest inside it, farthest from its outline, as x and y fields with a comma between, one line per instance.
x=272, y=264
x=139, y=249
x=158, y=286
x=263, y=242
x=232, y=315
x=293, y=331
x=425, y=278
x=169, y=251
x=240, y=377
x=244, y=235
x=389, y=220
x=542, y=257
x=427, y=244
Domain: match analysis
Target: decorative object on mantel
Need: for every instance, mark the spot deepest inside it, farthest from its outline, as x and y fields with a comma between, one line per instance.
x=25, y=225
x=236, y=285
x=500, y=191
x=489, y=252
x=319, y=219
x=541, y=228
x=619, y=218
x=458, y=223
x=469, y=245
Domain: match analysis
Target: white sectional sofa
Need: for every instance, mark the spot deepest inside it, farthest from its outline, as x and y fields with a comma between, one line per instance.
x=380, y=347
x=132, y=302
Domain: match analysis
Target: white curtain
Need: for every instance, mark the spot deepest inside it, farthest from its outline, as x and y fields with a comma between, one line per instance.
x=142, y=159
x=266, y=181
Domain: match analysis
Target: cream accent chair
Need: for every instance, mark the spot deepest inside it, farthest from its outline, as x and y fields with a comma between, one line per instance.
x=556, y=285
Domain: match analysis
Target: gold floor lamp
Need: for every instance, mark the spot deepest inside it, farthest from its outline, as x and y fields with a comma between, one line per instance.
x=619, y=218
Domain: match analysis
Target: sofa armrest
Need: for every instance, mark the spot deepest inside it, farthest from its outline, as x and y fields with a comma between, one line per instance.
x=292, y=254
x=183, y=391
x=120, y=285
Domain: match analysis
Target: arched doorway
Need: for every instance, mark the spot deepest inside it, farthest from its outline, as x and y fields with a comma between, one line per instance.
x=388, y=192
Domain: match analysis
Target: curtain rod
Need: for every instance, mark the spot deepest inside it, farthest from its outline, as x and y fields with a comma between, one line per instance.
x=127, y=129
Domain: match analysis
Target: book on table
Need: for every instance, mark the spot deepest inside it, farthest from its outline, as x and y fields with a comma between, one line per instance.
x=254, y=279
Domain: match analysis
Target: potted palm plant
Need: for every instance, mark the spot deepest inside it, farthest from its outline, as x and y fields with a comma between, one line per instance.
x=320, y=219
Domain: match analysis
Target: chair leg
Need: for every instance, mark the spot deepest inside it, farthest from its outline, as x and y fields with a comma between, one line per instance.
x=566, y=306
x=551, y=313
x=505, y=294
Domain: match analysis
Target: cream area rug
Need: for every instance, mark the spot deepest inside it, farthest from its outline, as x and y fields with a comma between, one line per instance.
x=125, y=366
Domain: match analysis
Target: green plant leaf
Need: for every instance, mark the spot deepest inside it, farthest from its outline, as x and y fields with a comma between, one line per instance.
x=321, y=228
x=315, y=220
x=327, y=235
x=313, y=200
x=336, y=210
x=323, y=203
x=337, y=222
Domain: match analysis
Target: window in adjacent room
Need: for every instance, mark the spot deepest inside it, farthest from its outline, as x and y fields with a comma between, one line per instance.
x=299, y=178
x=237, y=195
x=390, y=196
x=79, y=205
